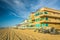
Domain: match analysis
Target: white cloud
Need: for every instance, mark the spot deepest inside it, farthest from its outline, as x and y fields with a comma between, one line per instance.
x=44, y=3
x=14, y=14
x=17, y=2
x=21, y=9
x=41, y=3
x=17, y=6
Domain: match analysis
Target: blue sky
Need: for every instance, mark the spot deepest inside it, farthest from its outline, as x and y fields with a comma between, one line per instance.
x=13, y=12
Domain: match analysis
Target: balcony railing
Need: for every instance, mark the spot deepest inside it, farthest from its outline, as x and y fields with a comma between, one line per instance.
x=44, y=21
x=50, y=15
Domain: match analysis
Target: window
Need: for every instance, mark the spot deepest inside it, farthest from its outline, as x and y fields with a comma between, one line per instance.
x=41, y=13
x=42, y=18
x=46, y=24
x=38, y=19
x=37, y=25
x=37, y=14
x=45, y=12
x=31, y=25
x=43, y=24
x=46, y=18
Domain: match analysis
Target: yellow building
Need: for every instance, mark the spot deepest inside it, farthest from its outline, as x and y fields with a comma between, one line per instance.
x=46, y=17
x=31, y=19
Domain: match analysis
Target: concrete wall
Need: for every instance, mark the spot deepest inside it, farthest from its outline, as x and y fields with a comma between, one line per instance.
x=57, y=26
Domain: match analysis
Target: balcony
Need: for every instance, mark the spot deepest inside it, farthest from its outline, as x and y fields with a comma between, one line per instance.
x=50, y=15
x=50, y=21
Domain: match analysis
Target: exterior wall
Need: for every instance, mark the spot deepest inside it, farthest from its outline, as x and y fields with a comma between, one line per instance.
x=32, y=16
x=46, y=15
x=31, y=20
x=49, y=9
x=57, y=26
x=55, y=20
x=51, y=12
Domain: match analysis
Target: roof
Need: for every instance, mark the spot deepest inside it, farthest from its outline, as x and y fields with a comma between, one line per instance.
x=49, y=9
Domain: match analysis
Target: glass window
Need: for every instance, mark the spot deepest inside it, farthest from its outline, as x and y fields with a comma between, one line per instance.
x=37, y=25
x=31, y=25
x=46, y=18
x=45, y=12
x=43, y=24
x=46, y=24
x=41, y=13
x=42, y=18
x=38, y=19
x=37, y=14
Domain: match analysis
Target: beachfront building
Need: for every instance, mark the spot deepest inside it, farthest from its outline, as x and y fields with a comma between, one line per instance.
x=45, y=17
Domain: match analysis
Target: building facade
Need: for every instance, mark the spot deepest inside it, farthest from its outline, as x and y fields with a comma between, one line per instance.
x=31, y=19
x=45, y=17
